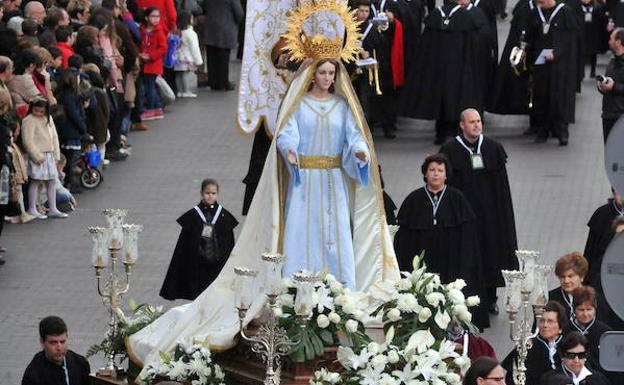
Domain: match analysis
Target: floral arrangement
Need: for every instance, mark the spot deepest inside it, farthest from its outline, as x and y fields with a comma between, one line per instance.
x=141, y=316
x=193, y=363
x=423, y=361
x=418, y=311
x=420, y=301
x=336, y=311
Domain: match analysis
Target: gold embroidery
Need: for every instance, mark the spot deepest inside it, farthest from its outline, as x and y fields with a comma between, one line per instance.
x=322, y=162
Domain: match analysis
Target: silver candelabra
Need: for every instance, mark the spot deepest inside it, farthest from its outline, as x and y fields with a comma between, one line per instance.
x=270, y=341
x=525, y=298
x=111, y=245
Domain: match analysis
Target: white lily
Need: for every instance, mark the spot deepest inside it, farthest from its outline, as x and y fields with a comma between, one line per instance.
x=442, y=319
x=420, y=341
x=324, y=299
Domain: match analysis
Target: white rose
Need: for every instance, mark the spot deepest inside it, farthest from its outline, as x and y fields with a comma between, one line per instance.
x=459, y=309
x=394, y=314
x=457, y=284
x=424, y=314
x=335, y=287
x=330, y=278
x=456, y=296
x=442, y=319
x=349, y=308
x=322, y=321
x=334, y=317
x=473, y=300
x=465, y=316
x=393, y=357
x=434, y=299
x=351, y=326
x=334, y=377
x=379, y=360
x=452, y=378
x=340, y=300
x=462, y=361
x=373, y=348
x=404, y=284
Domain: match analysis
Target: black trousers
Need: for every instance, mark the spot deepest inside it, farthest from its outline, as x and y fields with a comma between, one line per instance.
x=545, y=122
x=607, y=125
x=218, y=60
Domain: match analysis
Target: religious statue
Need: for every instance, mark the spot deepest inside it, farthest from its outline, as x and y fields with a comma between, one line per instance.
x=319, y=200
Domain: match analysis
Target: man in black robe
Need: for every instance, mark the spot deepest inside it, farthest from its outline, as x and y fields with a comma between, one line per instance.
x=599, y=236
x=553, y=36
x=479, y=171
x=446, y=77
x=55, y=364
x=442, y=224
x=192, y=269
x=411, y=14
x=510, y=95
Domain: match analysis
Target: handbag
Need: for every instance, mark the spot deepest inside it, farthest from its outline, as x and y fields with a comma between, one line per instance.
x=166, y=93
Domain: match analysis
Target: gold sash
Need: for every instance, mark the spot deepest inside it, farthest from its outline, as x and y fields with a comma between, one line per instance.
x=319, y=161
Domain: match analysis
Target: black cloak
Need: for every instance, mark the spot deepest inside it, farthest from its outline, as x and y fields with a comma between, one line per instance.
x=598, y=239
x=595, y=36
x=488, y=192
x=593, y=332
x=538, y=362
x=411, y=14
x=259, y=152
x=189, y=274
x=446, y=75
x=555, y=83
x=485, y=52
x=596, y=378
x=451, y=246
x=511, y=92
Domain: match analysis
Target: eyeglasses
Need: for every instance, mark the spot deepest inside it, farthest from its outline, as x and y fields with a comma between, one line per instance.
x=572, y=355
x=497, y=379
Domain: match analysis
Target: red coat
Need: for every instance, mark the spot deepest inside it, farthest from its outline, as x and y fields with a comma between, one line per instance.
x=67, y=51
x=154, y=44
x=168, y=14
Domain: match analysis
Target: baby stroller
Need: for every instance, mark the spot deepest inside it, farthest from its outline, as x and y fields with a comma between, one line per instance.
x=89, y=165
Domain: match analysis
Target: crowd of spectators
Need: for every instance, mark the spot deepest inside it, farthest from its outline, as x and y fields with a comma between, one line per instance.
x=75, y=77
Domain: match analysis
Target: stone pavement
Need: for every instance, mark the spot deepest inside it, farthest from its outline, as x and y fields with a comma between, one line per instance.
x=48, y=269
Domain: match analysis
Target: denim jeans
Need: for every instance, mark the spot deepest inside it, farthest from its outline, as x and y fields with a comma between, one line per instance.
x=152, y=97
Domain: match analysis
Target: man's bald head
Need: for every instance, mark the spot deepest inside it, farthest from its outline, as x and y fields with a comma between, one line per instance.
x=35, y=10
x=470, y=123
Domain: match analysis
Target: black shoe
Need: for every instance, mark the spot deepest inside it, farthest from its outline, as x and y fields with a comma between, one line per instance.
x=563, y=141
x=541, y=139
x=2, y=261
x=116, y=156
x=230, y=86
x=493, y=309
x=438, y=140
x=389, y=135
x=529, y=132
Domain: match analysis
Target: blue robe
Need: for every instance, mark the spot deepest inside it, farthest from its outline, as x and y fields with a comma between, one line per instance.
x=317, y=229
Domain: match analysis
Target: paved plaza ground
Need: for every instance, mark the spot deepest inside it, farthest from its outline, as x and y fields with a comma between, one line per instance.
x=48, y=270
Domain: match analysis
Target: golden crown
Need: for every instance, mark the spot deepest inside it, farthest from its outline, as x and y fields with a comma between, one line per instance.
x=301, y=46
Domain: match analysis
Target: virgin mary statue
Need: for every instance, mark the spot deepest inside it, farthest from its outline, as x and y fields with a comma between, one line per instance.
x=319, y=202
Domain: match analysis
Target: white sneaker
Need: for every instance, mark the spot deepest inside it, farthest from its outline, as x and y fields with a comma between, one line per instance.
x=38, y=215
x=180, y=95
x=106, y=162
x=57, y=214
x=189, y=95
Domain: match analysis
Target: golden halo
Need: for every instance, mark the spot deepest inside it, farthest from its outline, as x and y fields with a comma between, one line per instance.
x=301, y=47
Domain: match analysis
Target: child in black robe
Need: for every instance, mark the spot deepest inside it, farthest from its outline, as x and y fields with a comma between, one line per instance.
x=204, y=245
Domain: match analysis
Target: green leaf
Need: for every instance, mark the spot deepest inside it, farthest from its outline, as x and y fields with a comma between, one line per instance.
x=318, y=345
x=164, y=356
x=132, y=305
x=327, y=337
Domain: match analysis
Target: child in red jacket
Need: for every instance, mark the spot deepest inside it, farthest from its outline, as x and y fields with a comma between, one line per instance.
x=152, y=50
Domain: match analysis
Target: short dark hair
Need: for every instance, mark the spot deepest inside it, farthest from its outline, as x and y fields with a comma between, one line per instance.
x=75, y=61
x=30, y=27
x=55, y=51
x=360, y=3
x=63, y=33
x=52, y=326
x=24, y=59
x=109, y=4
x=562, y=317
x=209, y=182
x=481, y=367
x=619, y=34
x=435, y=158
x=585, y=294
x=570, y=341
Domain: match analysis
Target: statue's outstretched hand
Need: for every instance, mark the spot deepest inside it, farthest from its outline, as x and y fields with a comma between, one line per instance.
x=361, y=155
x=292, y=158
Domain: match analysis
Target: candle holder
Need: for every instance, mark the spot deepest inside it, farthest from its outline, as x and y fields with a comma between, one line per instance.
x=270, y=342
x=525, y=297
x=108, y=243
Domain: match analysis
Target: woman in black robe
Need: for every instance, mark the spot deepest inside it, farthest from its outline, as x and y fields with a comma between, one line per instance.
x=204, y=245
x=438, y=220
x=585, y=322
x=542, y=358
x=573, y=352
x=595, y=38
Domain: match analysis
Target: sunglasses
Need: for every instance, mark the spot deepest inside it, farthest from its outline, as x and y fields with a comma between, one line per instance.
x=573, y=355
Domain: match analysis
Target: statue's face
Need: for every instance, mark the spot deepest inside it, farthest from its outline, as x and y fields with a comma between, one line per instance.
x=324, y=76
